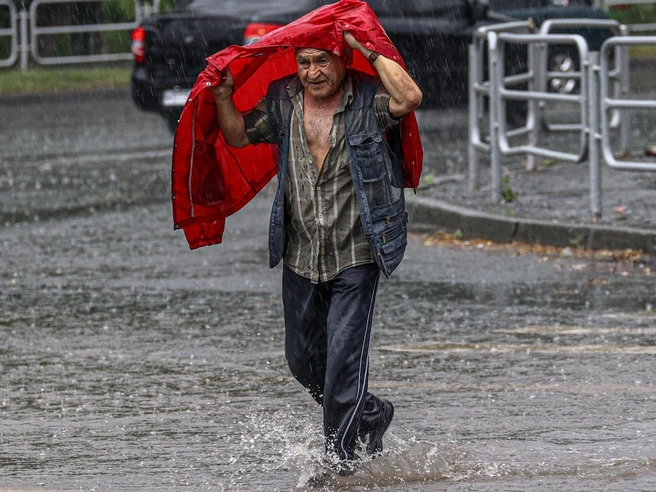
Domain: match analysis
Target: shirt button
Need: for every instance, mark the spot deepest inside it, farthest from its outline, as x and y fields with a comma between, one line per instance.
x=320, y=216
x=318, y=188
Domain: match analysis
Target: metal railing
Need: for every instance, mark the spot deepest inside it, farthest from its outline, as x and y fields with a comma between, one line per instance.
x=497, y=89
x=36, y=31
x=619, y=76
x=497, y=47
x=602, y=100
x=25, y=33
x=11, y=32
x=479, y=92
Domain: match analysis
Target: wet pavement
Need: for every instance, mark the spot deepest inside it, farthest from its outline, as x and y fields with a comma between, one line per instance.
x=131, y=363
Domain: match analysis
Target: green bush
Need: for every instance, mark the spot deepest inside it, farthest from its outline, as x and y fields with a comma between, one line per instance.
x=44, y=79
x=635, y=14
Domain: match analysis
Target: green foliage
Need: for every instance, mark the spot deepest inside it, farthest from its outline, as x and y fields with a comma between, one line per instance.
x=458, y=235
x=429, y=179
x=39, y=79
x=507, y=192
x=634, y=14
x=167, y=5
x=577, y=242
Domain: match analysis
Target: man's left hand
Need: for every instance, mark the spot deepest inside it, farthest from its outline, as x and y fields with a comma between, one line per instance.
x=353, y=43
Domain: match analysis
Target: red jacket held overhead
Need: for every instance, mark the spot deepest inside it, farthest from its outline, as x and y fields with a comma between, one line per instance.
x=211, y=180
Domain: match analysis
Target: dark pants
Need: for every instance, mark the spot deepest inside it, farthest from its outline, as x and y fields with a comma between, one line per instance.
x=327, y=336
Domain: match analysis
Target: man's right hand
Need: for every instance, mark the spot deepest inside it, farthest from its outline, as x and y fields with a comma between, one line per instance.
x=231, y=121
x=223, y=91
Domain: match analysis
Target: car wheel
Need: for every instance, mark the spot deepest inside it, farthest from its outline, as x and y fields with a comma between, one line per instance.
x=564, y=62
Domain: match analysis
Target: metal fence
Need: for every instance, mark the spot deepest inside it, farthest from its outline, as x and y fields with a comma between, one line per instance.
x=25, y=32
x=11, y=32
x=602, y=100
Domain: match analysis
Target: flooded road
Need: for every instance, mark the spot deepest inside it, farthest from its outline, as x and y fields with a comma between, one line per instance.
x=131, y=363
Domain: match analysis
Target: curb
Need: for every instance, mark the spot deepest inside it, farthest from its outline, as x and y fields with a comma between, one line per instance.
x=427, y=214
x=107, y=93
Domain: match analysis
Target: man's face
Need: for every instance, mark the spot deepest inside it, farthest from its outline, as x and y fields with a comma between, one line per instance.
x=321, y=72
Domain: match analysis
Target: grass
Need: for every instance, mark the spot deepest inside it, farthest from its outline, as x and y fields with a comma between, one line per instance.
x=40, y=79
x=642, y=52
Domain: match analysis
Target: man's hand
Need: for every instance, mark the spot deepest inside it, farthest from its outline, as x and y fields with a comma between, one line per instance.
x=229, y=119
x=223, y=91
x=354, y=43
x=405, y=95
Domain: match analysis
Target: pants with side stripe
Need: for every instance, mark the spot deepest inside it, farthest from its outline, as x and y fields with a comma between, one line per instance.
x=327, y=337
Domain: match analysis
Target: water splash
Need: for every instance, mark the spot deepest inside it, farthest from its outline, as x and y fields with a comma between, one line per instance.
x=293, y=440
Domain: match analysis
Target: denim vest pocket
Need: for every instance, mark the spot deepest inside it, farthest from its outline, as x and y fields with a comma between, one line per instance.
x=389, y=229
x=365, y=144
x=370, y=162
x=394, y=241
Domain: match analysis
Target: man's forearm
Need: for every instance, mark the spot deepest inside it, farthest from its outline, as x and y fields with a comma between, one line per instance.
x=405, y=95
x=398, y=83
x=231, y=122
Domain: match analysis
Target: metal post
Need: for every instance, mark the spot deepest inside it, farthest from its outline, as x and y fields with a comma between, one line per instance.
x=625, y=88
x=594, y=138
x=495, y=152
x=146, y=11
x=473, y=116
x=24, y=46
x=532, y=116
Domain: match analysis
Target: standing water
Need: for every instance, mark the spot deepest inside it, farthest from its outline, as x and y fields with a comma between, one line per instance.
x=131, y=363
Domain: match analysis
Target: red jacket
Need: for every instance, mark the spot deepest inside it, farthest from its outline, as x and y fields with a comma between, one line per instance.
x=211, y=180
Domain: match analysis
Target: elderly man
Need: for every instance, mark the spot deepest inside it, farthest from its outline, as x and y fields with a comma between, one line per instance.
x=338, y=220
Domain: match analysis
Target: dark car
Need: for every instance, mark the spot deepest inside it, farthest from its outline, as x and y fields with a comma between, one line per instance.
x=431, y=35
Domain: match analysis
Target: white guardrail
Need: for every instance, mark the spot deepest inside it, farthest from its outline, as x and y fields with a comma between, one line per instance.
x=11, y=32
x=25, y=32
x=602, y=100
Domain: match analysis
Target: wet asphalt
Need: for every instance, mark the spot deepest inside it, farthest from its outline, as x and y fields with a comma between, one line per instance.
x=131, y=363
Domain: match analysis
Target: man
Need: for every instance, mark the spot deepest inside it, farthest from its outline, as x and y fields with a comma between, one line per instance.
x=338, y=219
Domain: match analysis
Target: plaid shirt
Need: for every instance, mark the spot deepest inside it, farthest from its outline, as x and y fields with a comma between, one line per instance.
x=324, y=233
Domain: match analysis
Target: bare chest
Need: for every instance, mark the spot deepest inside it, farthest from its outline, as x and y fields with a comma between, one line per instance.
x=317, y=126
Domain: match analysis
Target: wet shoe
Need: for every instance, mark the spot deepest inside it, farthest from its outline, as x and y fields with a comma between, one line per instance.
x=374, y=439
x=345, y=468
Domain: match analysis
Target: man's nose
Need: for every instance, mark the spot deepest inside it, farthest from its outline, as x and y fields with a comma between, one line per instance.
x=314, y=70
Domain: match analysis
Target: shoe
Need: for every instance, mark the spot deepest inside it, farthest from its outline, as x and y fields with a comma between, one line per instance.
x=374, y=439
x=345, y=468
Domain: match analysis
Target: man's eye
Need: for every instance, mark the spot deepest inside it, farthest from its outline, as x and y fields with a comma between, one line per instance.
x=323, y=62
x=303, y=64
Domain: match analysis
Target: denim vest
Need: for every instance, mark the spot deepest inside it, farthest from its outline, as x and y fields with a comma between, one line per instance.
x=376, y=168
